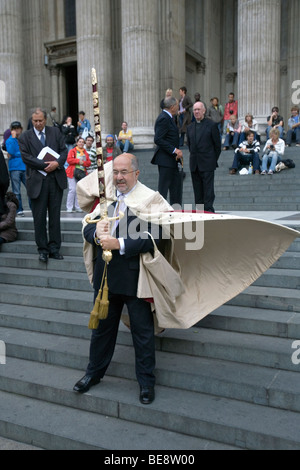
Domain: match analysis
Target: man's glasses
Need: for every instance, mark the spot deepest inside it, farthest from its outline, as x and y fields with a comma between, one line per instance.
x=122, y=172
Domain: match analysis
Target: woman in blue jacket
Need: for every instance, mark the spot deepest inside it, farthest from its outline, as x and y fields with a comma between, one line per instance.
x=16, y=166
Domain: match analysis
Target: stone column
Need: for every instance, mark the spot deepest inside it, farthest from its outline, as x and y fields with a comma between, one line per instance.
x=293, y=66
x=258, y=57
x=172, y=46
x=140, y=60
x=54, y=74
x=36, y=78
x=93, y=21
x=11, y=60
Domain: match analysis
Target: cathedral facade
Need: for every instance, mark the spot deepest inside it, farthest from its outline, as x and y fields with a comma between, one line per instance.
x=140, y=48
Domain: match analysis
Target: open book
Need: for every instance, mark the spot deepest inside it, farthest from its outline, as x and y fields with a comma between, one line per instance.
x=47, y=155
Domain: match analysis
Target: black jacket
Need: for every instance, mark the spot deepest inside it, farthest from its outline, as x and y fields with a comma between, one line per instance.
x=205, y=147
x=30, y=147
x=167, y=139
x=123, y=270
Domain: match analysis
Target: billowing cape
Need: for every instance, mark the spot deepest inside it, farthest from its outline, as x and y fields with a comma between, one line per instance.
x=229, y=255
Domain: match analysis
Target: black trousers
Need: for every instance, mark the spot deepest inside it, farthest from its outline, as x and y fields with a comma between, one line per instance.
x=170, y=179
x=49, y=200
x=203, y=184
x=104, y=339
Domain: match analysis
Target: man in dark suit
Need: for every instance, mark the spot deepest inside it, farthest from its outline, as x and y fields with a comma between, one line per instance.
x=45, y=190
x=126, y=244
x=204, y=144
x=167, y=155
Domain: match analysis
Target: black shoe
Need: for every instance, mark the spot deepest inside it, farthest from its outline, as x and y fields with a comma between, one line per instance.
x=43, y=257
x=147, y=395
x=86, y=383
x=56, y=256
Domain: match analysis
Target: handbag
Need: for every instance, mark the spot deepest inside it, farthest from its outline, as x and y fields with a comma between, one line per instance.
x=79, y=174
x=159, y=281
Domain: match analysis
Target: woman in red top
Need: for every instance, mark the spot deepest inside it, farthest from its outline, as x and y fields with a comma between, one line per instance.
x=77, y=158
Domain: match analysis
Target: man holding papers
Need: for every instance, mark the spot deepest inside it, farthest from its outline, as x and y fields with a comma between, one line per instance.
x=44, y=153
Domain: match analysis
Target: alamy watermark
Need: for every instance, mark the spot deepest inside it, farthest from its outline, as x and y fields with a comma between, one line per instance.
x=2, y=353
x=183, y=223
x=296, y=354
x=296, y=94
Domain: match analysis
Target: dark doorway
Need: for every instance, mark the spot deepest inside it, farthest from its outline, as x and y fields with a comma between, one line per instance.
x=72, y=92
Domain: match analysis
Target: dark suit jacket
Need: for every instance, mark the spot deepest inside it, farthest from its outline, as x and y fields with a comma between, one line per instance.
x=167, y=139
x=30, y=147
x=123, y=271
x=206, y=149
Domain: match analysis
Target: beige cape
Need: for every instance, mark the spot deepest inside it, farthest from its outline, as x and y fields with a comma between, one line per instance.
x=235, y=252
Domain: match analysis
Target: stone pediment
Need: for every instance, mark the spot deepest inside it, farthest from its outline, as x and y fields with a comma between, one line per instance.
x=61, y=52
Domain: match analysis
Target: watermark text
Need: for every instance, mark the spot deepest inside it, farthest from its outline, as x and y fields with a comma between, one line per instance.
x=2, y=353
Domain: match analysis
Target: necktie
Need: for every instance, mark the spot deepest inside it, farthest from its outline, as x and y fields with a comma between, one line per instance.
x=120, y=207
x=42, y=139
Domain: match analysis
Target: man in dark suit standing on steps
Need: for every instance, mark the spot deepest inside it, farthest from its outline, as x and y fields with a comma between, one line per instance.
x=167, y=155
x=204, y=144
x=125, y=239
x=45, y=182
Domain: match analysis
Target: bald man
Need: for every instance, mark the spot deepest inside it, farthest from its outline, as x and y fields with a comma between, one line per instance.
x=123, y=273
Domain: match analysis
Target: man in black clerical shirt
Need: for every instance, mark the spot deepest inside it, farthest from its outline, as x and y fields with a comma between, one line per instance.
x=204, y=144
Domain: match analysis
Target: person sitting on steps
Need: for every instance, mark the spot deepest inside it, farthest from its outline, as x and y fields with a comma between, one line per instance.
x=273, y=151
x=246, y=153
x=233, y=133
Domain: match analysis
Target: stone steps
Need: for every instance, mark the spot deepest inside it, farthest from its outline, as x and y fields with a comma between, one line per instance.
x=270, y=193
x=227, y=383
x=61, y=427
x=254, y=349
x=58, y=298
x=239, y=193
x=186, y=388
x=198, y=419
x=51, y=278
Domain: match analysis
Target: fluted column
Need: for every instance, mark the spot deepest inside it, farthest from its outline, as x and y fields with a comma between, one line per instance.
x=140, y=60
x=294, y=53
x=93, y=21
x=11, y=71
x=36, y=78
x=171, y=45
x=258, y=57
x=54, y=74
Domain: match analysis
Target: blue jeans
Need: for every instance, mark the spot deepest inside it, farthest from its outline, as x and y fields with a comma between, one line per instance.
x=241, y=158
x=232, y=139
x=17, y=177
x=125, y=147
x=293, y=133
x=272, y=159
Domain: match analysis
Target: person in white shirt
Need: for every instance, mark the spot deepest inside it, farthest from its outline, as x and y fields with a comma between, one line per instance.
x=273, y=151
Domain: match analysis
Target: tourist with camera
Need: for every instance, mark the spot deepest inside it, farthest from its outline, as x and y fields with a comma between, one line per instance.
x=273, y=151
x=231, y=107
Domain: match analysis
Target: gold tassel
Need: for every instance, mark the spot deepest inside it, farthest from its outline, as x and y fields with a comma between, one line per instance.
x=94, y=320
x=104, y=303
x=100, y=310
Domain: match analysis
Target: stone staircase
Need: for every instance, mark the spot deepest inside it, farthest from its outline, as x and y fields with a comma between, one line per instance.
x=227, y=383
x=279, y=192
